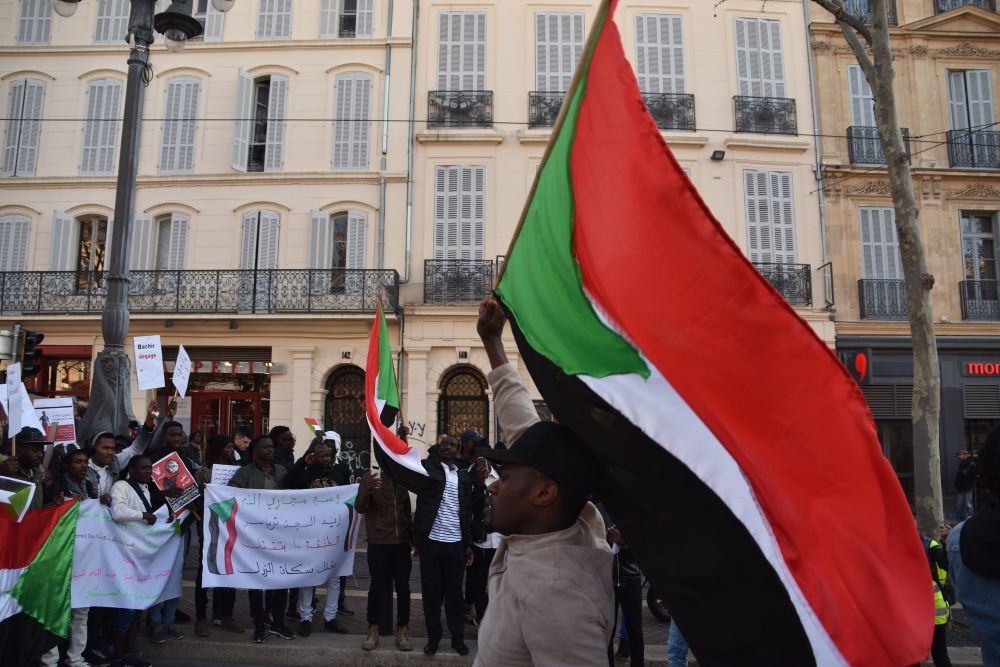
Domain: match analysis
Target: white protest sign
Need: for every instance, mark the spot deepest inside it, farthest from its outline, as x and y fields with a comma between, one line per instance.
x=149, y=362
x=14, y=420
x=182, y=371
x=260, y=539
x=129, y=565
x=221, y=474
x=28, y=416
x=57, y=419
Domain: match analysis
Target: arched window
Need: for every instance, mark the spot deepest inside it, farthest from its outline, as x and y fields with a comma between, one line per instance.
x=463, y=403
x=345, y=414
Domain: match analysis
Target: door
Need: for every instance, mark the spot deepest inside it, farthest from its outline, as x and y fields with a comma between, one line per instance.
x=259, y=261
x=345, y=414
x=897, y=445
x=979, y=255
x=970, y=97
x=221, y=412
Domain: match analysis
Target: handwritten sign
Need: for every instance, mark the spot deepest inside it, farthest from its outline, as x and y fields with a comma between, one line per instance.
x=27, y=411
x=149, y=362
x=278, y=539
x=182, y=371
x=130, y=565
x=57, y=419
x=221, y=474
x=14, y=390
x=171, y=473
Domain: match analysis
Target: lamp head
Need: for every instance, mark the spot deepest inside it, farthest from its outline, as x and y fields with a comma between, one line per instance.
x=65, y=8
x=177, y=25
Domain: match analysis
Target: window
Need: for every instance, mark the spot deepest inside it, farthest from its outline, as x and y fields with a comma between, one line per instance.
x=770, y=219
x=15, y=229
x=35, y=26
x=93, y=244
x=100, y=129
x=659, y=53
x=558, y=46
x=24, y=127
x=759, y=63
x=274, y=20
x=258, y=259
x=338, y=242
x=179, y=125
x=462, y=51
x=970, y=98
x=259, y=131
x=346, y=18
x=459, y=212
x=879, y=246
x=211, y=19
x=351, y=126
x=159, y=244
x=862, y=100
x=112, y=21
x=979, y=252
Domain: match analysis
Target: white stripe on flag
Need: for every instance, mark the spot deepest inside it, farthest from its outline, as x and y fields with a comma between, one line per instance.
x=8, y=605
x=662, y=414
x=411, y=459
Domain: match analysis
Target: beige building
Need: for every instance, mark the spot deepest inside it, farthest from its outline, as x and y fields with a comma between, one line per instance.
x=947, y=60
x=282, y=187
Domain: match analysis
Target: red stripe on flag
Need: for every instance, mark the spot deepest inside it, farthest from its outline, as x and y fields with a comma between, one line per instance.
x=231, y=538
x=382, y=433
x=21, y=541
x=756, y=374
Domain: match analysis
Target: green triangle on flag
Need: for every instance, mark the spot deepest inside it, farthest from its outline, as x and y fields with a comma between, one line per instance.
x=223, y=509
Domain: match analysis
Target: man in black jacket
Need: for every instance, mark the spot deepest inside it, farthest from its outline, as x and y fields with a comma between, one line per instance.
x=965, y=484
x=443, y=525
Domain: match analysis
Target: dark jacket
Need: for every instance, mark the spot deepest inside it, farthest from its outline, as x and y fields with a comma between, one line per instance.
x=428, y=502
x=284, y=457
x=479, y=493
x=965, y=478
x=388, y=518
x=252, y=477
x=65, y=485
x=303, y=476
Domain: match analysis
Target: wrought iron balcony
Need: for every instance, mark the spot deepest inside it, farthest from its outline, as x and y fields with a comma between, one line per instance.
x=348, y=25
x=457, y=280
x=765, y=115
x=671, y=112
x=224, y=291
x=543, y=107
x=457, y=108
x=794, y=281
x=941, y=6
x=980, y=299
x=976, y=149
x=864, y=146
x=882, y=299
x=862, y=9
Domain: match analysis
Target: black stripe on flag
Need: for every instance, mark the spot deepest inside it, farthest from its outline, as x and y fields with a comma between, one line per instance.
x=213, y=543
x=388, y=415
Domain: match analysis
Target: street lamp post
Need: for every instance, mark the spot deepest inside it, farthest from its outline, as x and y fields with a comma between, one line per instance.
x=110, y=406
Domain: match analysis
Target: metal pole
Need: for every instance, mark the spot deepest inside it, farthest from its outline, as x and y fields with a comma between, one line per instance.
x=110, y=407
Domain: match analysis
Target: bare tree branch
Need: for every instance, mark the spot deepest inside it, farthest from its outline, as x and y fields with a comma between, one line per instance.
x=836, y=7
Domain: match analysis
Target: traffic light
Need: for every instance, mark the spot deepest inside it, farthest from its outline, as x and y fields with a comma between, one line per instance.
x=31, y=358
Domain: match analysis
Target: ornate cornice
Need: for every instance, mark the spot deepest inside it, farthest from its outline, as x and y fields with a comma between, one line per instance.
x=968, y=50
x=974, y=191
x=918, y=50
x=870, y=188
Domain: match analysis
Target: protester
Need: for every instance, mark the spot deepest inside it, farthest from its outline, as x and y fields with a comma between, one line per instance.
x=30, y=450
x=965, y=485
x=264, y=473
x=196, y=441
x=484, y=546
x=105, y=463
x=627, y=579
x=221, y=450
x=467, y=444
x=550, y=587
x=938, y=561
x=284, y=446
x=312, y=471
x=134, y=498
x=974, y=556
x=241, y=438
x=389, y=527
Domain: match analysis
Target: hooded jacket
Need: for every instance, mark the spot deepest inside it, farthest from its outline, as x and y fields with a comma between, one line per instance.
x=120, y=460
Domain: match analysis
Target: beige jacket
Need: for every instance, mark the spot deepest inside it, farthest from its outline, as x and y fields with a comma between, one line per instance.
x=551, y=596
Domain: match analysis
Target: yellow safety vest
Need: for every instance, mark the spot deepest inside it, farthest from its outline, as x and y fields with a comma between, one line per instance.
x=942, y=612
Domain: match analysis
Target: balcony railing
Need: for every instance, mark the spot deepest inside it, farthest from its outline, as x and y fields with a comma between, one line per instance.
x=862, y=9
x=457, y=108
x=671, y=112
x=794, y=281
x=348, y=25
x=975, y=149
x=941, y=6
x=882, y=299
x=457, y=280
x=864, y=146
x=980, y=299
x=765, y=115
x=543, y=107
x=224, y=291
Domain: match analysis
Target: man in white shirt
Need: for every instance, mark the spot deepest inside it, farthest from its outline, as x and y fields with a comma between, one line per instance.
x=102, y=471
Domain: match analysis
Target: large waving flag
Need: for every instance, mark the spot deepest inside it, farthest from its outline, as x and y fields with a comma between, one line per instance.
x=396, y=457
x=742, y=465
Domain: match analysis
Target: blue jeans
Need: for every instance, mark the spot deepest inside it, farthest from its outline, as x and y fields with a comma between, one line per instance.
x=963, y=505
x=677, y=647
x=980, y=598
x=163, y=613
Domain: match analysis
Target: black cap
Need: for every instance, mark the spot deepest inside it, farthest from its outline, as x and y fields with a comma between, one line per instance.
x=470, y=434
x=73, y=448
x=556, y=451
x=30, y=435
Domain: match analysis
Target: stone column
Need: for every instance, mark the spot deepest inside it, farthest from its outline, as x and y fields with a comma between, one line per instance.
x=302, y=361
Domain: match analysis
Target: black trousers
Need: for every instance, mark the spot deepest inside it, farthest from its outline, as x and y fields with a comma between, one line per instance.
x=939, y=647
x=628, y=596
x=477, y=578
x=441, y=567
x=262, y=602
x=389, y=565
x=223, y=599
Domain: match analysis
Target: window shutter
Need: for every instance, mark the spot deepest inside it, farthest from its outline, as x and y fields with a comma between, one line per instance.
x=177, y=254
x=12, y=136
x=265, y=19
x=274, y=20
x=558, y=45
x=351, y=128
x=248, y=241
x=660, y=53
x=31, y=128
x=462, y=51
x=320, y=240
x=862, y=100
x=783, y=217
x=108, y=239
x=772, y=58
x=357, y=239
x=759, y=58
x=957, y=101
x=274, y=151
x=283, y=18
x=160, y=7
x=980, y=100
x=879, y=246
x=15, y=231
x=35, y=25
x=62, y=247
x=215, y=22
x=329, y=19
x=112, y=20
x=267, y=246
x=745, y=36
x=179, y=126
x=243, y=123
x=141, y=250
x=366, y=18
x=446, y=212
x=758, y=216
x=100, y=133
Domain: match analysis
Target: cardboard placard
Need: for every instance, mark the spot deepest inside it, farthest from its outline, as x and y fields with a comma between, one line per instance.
x=170, y=473
x=221, y=474
x=28, y=416
x=149, y=362
x=57, y=418
x=182, y=371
